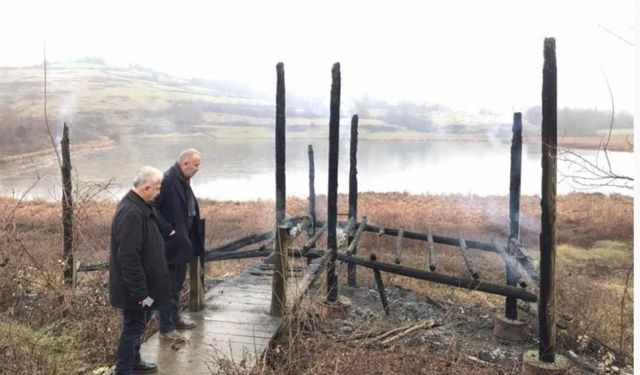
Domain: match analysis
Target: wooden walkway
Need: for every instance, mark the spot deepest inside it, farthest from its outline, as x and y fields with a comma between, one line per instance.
x=235, y=325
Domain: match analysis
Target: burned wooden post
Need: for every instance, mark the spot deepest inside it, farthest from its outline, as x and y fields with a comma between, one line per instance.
x=281, y=191
x=196, y=277
x=432, y=251
x=511, y=304
x=353, y=193
x=380, y=285
x=67, y=209
x=467, y=261
x=312, y=200
x=547, y=315
x=332, y=193
x=398, y=259
x=354, y=243
x=280, y=270
x=312, y=192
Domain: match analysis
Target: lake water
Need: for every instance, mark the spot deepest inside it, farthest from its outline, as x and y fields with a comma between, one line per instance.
x=245, y=169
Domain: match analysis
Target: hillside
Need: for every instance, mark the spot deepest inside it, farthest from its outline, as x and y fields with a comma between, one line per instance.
x=103, y=103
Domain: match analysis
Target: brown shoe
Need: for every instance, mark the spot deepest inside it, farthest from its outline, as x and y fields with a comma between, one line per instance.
x=185, y=323
x=172, y=336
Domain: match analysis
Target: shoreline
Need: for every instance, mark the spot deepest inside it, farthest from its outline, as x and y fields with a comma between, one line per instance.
x=617, y=143
x=77, y=147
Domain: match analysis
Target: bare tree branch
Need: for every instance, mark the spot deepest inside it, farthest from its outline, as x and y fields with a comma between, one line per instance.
x=46, y=120
x=616, y=35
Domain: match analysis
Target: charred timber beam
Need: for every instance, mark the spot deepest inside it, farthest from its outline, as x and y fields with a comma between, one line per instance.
x=520, y=274
x=380, y=285
x=354, y=243
x=92, y=266
x=347, y=233
x=511, y=304
x=459, y=282
x=280, y=271
x=312, y=194
x=281, y=190
x=547, y=312
x=67, y=208
x=260, y=252
x=467, y=261
x=398, y=259
x=437, y=239
x=332, y=191
x=241, y=242
x=432, y=251
x=311, y=243
x=353, y=194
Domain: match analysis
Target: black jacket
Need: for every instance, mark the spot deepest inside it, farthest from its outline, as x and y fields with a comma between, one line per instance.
x=171, y=205
x=138, y=268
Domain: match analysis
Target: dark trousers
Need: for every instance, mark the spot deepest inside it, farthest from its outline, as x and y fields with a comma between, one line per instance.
x=168, y=316
x=133, y=325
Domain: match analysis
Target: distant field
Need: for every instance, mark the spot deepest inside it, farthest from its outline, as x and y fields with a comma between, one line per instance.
x=101, y=102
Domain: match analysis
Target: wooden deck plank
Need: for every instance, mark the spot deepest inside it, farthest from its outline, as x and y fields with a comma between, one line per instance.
x=235, y=325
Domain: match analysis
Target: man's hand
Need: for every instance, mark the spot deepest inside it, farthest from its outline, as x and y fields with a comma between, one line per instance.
x=148, y=301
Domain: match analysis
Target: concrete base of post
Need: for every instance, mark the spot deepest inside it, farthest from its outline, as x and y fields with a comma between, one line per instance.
x=332, y=310
x=532, y=365
x=508, y=329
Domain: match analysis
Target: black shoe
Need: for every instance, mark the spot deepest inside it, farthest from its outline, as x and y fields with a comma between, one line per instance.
x=145, y=368
x=185, y=323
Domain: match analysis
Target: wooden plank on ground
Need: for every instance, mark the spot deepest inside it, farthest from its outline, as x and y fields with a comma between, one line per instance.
x=235, y=325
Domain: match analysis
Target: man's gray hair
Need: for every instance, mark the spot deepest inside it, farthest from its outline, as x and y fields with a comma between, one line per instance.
x=188, y=155
x=146, y=176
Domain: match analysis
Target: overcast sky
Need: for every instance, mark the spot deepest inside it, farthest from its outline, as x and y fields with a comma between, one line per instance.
x=466, y=54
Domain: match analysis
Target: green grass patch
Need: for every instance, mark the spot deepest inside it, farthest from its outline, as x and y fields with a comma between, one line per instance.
x=51, y=350
x=609, y=252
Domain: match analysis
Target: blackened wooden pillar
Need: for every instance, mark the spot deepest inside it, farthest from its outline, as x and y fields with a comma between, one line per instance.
x=280, y=270
x=312, y=193
x=332, y=193
x=511, y=306
x=281, y=191
x=67, y=208
x=353, y=193
x=547, y=309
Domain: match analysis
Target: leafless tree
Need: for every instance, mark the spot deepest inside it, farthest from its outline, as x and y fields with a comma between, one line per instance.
x=586, y=173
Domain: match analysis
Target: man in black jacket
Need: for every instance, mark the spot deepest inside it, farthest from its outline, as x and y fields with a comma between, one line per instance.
x=179, y=217
x=138, y=272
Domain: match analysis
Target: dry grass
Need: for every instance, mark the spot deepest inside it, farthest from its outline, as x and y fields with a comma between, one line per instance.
x=594, y=294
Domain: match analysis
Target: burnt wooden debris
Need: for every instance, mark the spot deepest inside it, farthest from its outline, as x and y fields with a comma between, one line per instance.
x=353, y=194
x=67, y=208
x=547, y=305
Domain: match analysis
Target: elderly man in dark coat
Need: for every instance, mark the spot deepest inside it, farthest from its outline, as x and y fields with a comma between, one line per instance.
x=179, y=216
x=138, y=272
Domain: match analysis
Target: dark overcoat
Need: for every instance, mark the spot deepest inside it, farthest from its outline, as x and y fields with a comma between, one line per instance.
x=171, y=205
x=138, y=268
